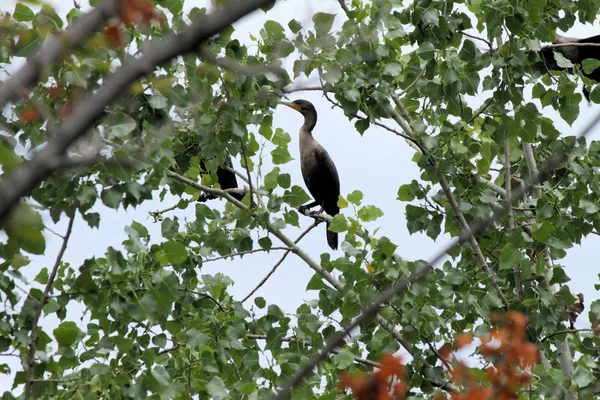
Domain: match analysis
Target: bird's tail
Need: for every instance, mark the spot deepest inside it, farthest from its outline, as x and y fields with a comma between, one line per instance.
x=332, y=238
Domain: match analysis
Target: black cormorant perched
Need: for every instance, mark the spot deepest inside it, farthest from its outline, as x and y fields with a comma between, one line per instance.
x=318, y=170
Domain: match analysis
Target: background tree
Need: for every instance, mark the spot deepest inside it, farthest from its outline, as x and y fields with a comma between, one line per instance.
x=136, y=101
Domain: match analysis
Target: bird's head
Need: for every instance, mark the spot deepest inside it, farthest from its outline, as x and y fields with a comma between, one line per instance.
x=304, y=107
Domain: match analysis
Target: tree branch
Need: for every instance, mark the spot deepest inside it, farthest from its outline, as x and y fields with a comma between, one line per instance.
x=56, y=47
x=335, y=350
x=40, y=306
x=464, y=226
x=344, y=6
x=283, y=257
x=246, y=69
x=22, y=181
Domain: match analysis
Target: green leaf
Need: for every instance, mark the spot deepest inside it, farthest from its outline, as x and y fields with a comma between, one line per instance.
x=281, y=155
x=175, y=252
x=343, y=360
x=543, y=233
x=281, y=138
x=216, y=389
x=342, y=203
x=271, y=178
x=42, y=276
x=386, y=246
x=284, y=180
x=510, y=256
x=560, y=240
x=369, y=213
x=260, y=302
x=66, y=333
x=28, y=44
x=425, y=50
x=355, y=197
x=194, y=338
x=404, y=193
x=296, y=197
x=323, y=22
x=265, y=243
x=589, y=65
x=24, y=226
x=588, y=204
x=112, y=197
x=23, y=13
x=338, y=224
x=295, y=26
x=120, y=125
x=569, y=107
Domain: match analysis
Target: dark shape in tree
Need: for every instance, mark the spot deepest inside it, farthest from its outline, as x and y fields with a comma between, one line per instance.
x=575, y=54
x=318, y=170
x=140, y=109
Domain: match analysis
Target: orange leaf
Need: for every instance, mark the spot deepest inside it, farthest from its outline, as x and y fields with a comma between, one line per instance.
x=463, y=339
x=29, y=115
x=113, y=35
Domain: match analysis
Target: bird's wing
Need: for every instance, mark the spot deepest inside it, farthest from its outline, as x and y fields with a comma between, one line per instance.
x=330, y=181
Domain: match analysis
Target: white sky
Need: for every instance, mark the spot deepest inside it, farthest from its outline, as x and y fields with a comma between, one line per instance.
x=376, y=163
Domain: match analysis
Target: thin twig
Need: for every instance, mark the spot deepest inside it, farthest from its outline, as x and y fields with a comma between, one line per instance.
x=206, y=296
x=241, y=253
x=567, y=331
x=409, y=87
x=38, y=311
x=159, y=212
x=272, y=271
x=489, y=44
x=252, y=203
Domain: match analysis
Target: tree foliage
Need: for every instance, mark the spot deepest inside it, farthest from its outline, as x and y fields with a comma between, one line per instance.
x=452, y=78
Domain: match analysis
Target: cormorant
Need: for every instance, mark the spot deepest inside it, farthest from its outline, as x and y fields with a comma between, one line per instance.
x=318, y=170
x=575, y=54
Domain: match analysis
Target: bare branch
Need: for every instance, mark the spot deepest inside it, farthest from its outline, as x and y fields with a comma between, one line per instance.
x=40, y=306
x=272, y=271
x=20, y=182
x=579, y=44
x=531, y=165
x=55, y=48
x=289, y=89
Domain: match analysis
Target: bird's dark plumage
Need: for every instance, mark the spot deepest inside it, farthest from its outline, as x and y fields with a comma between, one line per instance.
x=575, y=54
x=318, y=170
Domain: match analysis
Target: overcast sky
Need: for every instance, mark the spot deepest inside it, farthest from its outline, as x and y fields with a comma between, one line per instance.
x=376, y=163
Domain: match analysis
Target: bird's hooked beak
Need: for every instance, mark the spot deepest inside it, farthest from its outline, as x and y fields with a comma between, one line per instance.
x=290, y=105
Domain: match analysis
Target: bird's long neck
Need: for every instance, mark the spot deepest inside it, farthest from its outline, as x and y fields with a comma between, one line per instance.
x=310, y=121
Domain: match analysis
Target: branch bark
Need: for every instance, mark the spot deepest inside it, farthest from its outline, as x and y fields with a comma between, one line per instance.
x=38, y=311
x=22, y=181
